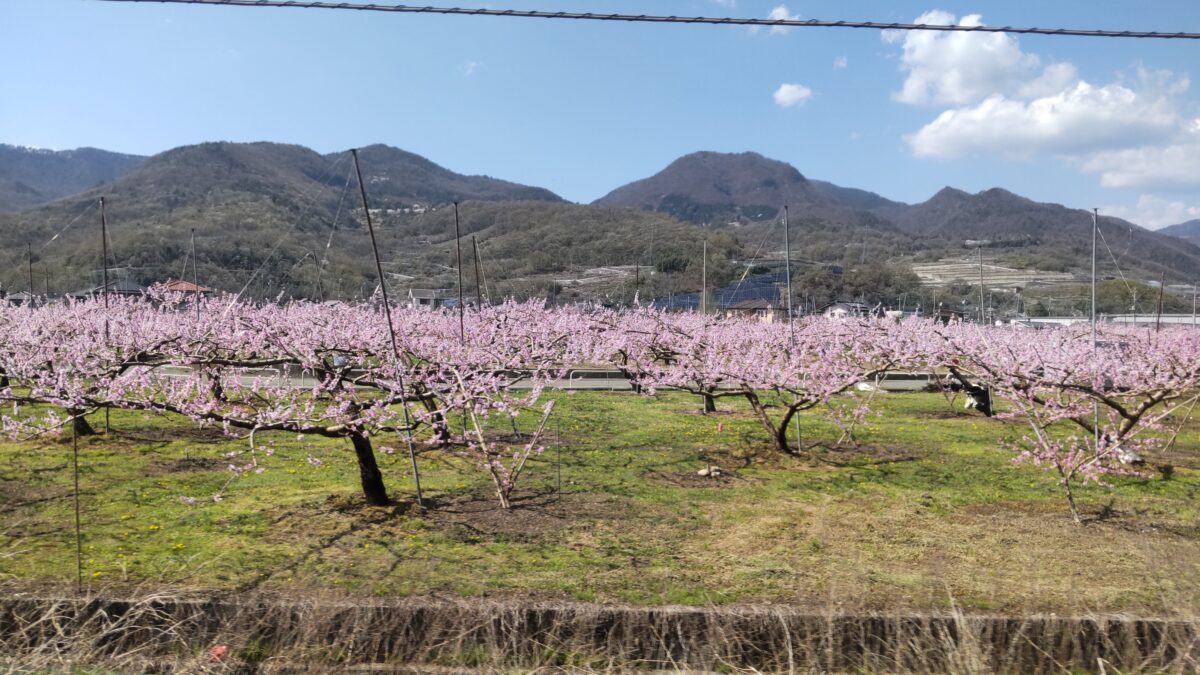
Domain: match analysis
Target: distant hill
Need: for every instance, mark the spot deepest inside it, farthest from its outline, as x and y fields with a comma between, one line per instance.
x=714, y=187
x=743, y=193
x=853, y=197
x=1032, y=234
x=31, y=177
x=277, y=217
x=401, y=178
x=1188, y=231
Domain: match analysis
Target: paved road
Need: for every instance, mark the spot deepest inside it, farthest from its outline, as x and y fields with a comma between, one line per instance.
x=596, y=379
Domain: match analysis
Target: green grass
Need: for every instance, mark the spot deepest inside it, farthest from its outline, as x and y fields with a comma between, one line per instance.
x=929, y=511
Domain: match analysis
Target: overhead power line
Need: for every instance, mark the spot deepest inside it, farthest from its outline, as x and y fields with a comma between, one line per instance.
x=650, y=18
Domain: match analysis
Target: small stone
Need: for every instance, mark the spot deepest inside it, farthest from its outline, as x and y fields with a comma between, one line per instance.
x=703, y=472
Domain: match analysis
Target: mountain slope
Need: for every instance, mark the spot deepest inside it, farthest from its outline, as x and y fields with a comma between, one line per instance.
x=713, y=187
x=282, y=219
x=1036, y=234
x=1187, y=231
x=31, y=177
x=257, y=209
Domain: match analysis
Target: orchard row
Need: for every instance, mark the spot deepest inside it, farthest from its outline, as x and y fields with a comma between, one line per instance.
x=1090, y=405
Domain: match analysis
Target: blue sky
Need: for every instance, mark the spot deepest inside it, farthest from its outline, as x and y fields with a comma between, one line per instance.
x=581, y=108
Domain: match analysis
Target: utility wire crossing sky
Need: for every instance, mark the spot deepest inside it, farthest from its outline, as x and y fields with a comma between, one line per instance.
x=650, y=18
x=583, y=106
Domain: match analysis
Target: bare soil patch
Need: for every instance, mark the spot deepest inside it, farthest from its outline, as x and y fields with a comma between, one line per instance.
x=532, y=516
x=865, y=454
x=184, y=465
x=180, y=433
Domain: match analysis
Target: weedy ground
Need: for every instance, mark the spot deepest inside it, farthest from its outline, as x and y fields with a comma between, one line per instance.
x=927, y=512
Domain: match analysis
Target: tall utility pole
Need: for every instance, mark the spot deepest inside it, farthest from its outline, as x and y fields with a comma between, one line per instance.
x=462, y=325
x=704, y=278
x=29, y=255
x=1193, y=303
x=387, y=314
x=195, y=278
x=982, y=319
x=475, y=250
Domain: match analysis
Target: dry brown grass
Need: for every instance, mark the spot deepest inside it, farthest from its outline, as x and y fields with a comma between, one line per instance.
x=271, y=634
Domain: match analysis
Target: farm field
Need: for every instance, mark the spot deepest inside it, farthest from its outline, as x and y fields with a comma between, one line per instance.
x=927, y=513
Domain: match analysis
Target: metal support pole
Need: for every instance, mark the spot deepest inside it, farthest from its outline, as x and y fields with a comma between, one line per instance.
x=104, y=252
x=1162, y=283
x=1095, y=404
x=787, y=267
x=704, y=278
x=29, y=254
x=982, y=318
x=462, y=325
x=387, y=313
x=475, y=250
x=195, y=278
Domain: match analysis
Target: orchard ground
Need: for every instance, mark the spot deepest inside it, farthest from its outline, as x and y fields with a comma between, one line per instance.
x=928, y=512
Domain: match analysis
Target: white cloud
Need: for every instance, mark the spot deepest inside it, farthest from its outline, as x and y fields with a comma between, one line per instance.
x=1056, y=78
x=726, y=3
x=1081, y=120
x=1154, y=212
x=956, y=67
x=470, y=68
x=840, y=63
x=781, y=13
x=1001, y=101
x=790, y=95
x=1168, y=166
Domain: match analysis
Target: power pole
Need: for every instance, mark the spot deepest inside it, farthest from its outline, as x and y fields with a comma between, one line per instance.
x=704, y=278
x=29, y=255
x=1193, y=303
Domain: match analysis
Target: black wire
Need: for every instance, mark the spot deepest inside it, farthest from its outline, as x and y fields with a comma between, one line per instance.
x=649, y=18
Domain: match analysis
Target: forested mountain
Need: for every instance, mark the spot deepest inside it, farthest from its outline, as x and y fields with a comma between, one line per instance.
x=31, y=177
x=715, y=188
x=1032, y=234
x=1189, y=231
x=285, y=219
x=742, y=193
x=277, y=218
